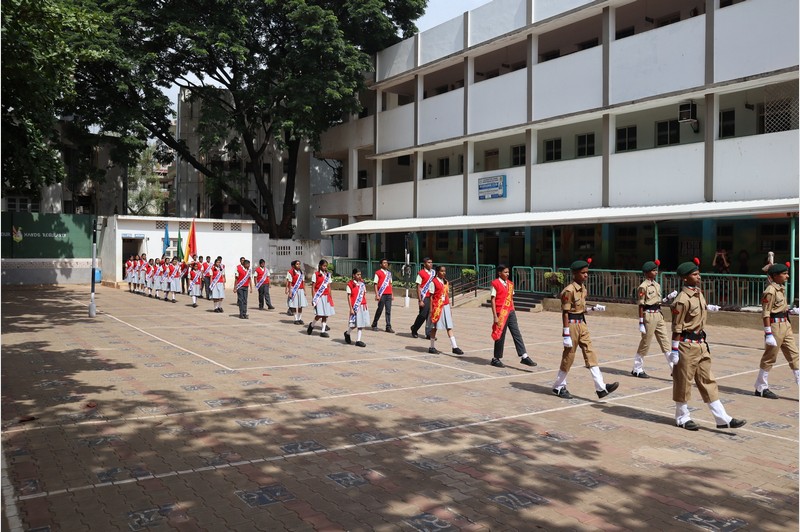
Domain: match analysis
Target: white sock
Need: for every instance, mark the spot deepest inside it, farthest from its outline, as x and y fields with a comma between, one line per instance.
x=524, y=355
x=561, y=380
x=797, y=375
x=681, y=413
x=719, y=412
x=761, y=381
x=453, y=342
x=324, y=326
x=597, y=377
x=433, y=339
x=358, y=336
x=296, y=316
x=638, y=363
x=194, y=300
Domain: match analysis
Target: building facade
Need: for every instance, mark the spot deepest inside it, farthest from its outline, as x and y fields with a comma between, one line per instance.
x=537, y=112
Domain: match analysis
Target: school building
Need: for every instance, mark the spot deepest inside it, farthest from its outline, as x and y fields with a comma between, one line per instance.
x=529, y=132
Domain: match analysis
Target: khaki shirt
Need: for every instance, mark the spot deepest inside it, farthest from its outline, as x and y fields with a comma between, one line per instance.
x=649, y=293
x=573, y=298
x=689, y=311
x=773, y=300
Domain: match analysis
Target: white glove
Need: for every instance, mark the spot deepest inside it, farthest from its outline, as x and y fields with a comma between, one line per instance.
x=641, y=326
x=713, y=308
x=674, y=355
x=795, y=311
x=598, y=308
x=769, y=339
x=670, y=296
x=567, y=338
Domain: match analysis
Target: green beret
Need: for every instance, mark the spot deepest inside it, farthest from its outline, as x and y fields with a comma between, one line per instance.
x=777, y=268
x=686, y=268
x=578, y=265
x=649, y=266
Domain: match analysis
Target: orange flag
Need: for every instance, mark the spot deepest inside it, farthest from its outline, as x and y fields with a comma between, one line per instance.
x=191, y=243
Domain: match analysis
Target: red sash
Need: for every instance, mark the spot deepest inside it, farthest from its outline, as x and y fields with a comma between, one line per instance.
x=357, y=292
x=322, y=287
x=261, y=276
x=384, y=282
x=439, y=299
x=504, y=303
x=243, y=276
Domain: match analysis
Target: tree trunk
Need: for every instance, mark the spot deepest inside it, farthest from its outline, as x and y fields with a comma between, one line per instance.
x=285, y=229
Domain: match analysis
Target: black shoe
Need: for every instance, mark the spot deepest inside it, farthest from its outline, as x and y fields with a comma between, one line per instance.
x=389, y=330
x=609, y=389
x=151, y=295
x=360, y=344
x=194, y=305
x=220, y=310
x=260, y=308
x=347, y=338
x=166, y=299
x=690, y=425
x=457, y=351
x=562, y=393
x=271, y=307
x=641, y=375
x=247, y=316
x=766, y=394
x=375, y=328
x=414, y=334
x=733, y=424
x=310, y=328
x=496, y=362
x=299, y=322
x=528, y=361
x=324, y=335
x=427, y=336
x=241, y=316
x=433, y=351
x=174, y=300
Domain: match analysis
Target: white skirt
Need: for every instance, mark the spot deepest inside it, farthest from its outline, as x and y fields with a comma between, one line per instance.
x=324, y=307
x=299, y=299
x=142, y=277
x=149, y=282
x=129, y=277
x=362, y=318
x=196, y=289
x=218, y=292
x=175, y=284
x=445, y=320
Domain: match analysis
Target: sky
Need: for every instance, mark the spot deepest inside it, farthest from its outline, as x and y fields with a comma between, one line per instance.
x=437, y=12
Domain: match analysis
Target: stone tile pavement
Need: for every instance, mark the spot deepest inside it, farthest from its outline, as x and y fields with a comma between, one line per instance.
x=158, y=416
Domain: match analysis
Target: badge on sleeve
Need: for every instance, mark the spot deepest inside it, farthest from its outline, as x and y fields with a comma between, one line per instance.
x=641, y=292
x=676, y=311
x=765, y=300
x=565, y=297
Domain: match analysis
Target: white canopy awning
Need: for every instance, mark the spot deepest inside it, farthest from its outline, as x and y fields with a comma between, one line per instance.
x=687, y=211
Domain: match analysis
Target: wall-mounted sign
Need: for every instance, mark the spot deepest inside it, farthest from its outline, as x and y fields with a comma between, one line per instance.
x=137, y=235
x=492, y=187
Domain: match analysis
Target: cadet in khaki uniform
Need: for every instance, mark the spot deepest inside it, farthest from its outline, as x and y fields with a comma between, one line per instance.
x=576, y=333
x=690, y=352
x=651, y=321
x=777, y=329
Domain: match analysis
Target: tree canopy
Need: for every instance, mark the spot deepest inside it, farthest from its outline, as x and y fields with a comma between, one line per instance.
x=268, y=73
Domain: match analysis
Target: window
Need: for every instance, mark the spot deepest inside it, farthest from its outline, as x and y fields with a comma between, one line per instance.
x=584, y=145
x=443, y=166
x=727, y=123
x=725, y=237
x=547, y=56
x=668, y=132
x=625, y=32
x=774, y=237
x=626, y=138
x=552, y=150
x=776, y=115
x=518, y=155
x=626, y=238
x=548, y=239
x=584, y=238
x=591, y=43
x=442, y=240
x=362, y=179
x=404, y=160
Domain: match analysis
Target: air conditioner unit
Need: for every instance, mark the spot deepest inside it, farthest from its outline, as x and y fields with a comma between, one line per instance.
x=687, y=112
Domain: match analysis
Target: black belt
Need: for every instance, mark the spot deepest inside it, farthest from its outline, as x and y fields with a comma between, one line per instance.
x=652, y=307
x=693, y=336
x=576, y=317
x=778, y=315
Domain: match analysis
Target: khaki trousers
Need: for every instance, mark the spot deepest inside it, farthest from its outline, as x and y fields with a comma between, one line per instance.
x=654, y=325
x=579, y=333
x=694, y=365
x=782, y=331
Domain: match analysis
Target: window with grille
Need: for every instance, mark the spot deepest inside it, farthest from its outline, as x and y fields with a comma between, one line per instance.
x=218, y=226
x=362, y=179
x=518, y=155
x=184, y=226
x=626, y=138
x=584, y=145
x=727, y=123
x=585, y=238
x=774, y=237
x=668, y=132
x=625, y=238
x=552, y=150
x=161, y=224
x=283, y=251
x=235, y=226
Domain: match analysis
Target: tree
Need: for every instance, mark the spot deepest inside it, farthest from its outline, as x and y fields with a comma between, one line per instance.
x=268, y=72
x=145, y=194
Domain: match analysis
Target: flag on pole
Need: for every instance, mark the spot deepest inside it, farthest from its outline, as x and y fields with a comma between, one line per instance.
x=180, y=247
x=191, y=243
x=166, y=239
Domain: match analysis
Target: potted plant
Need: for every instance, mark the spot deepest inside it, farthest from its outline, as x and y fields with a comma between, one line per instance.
x=555, y=281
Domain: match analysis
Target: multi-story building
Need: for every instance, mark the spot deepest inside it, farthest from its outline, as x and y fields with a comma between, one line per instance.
x=617, y=129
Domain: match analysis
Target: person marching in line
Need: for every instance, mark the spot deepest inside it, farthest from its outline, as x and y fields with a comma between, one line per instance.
x=359, y=315
x=690, y=352
x=149, y=273
x=576, y=333
x=505, y=319
x=217, y=284
x=187, y=266
x=206, y=271
x=168, y=269
x=158, y=279
x=651, y=321
x=778, y=334
x=424, y=280
x=322, y=300
x=296, y=290
x=195, y=282
x=129, y=273
x=383, y=295
x=244, y=283
x=142, y=277
x=441, y=315
x=262, y=274
x=135, y=278
x=175, y=274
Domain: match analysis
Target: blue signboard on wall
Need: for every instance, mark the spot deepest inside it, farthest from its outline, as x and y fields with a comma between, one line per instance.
x=492, y=187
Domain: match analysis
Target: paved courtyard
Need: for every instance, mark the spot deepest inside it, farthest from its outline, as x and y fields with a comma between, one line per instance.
x=158, y=416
